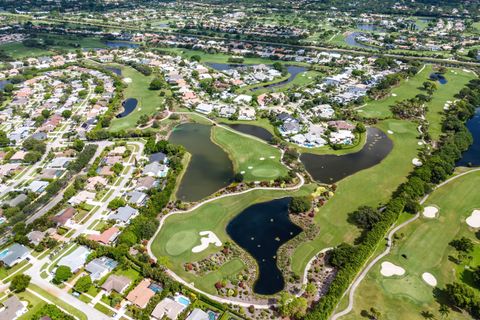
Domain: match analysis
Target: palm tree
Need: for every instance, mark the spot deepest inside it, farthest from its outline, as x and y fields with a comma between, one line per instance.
x=444, y=310
x=427, y=315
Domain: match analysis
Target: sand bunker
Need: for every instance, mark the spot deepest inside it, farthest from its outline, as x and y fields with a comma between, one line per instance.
x=210, y=238
x=429, y=279
x=394, y=94
x=262, y=158
x=430, y=212
x=390, y=132
x=474, y=219
x=416, y=162
x=127, y=80
x=250, y=167
x=389, y=269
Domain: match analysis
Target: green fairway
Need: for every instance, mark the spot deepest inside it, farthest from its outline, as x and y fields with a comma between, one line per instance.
x=213, y=216
x=457, y=79
x=149, y=101
x=372, y=187
x=406, y=90
x=426, y=248
x=258, y=160
x=18, y=51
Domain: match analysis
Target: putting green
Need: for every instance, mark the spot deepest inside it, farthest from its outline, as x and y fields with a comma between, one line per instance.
x=265, y=172
x=181, y=242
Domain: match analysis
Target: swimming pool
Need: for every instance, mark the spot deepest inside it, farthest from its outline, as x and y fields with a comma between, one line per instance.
x=211, y=315
x=183, y=300
x=3, y=254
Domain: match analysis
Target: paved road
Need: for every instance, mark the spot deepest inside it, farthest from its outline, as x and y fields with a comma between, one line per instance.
x=361, y=276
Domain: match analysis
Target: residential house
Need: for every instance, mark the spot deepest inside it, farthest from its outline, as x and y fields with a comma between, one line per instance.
x=13, y=254
x=137, y=197
x=123, y=214
x=12, y=309
x=36, y=236
x=141, y=294
x=106, y=236
x=168, y=308
x=94, y=181
x=76, y=259
x=155, y=169
x=82, y=196
x=198, y=314
x=159, y=157
x=100, y=267
x=146, y=183
x=64, y=217
x=17, y=200
x=37, y=186
x=59, y=163
x=18, y=156
x=116, y=283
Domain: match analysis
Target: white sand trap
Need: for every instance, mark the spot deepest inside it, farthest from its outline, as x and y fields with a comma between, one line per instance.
x=272, y=157
x=394, y=94
x=210, y=238
x=242, y=172
x=474, y=219
x=420, y=143
x=390, y=132
x=389, y=269
x=416, y=162
x=262, y=158
x=250, y=167
x=430, y=212
x=429, y=279
x=127, y=80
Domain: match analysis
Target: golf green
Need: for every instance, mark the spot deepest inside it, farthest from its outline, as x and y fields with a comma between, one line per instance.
x=181, y=242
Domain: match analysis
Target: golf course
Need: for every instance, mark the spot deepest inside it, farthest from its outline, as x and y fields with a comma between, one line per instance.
x=423, y=246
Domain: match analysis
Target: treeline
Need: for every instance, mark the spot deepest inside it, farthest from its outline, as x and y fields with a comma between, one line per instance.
x=438, y=166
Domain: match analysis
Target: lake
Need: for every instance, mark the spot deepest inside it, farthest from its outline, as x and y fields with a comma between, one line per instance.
x=292, y=70
x=438, y=77
x=252, y=130
x=209, y=169
x=351, y=41
x=115, y=70
x=332, y=168
x=471, y=157
x=370, y=27
x=128, y=106
x=121, y=44
x=261, y=229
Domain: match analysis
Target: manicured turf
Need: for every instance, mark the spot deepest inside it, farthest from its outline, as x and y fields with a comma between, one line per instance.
x=246, y=153
x=213, y=216
x=425, y=245
x=149, y=101
x=406, y=90
x=457, y=79
x=368, y=187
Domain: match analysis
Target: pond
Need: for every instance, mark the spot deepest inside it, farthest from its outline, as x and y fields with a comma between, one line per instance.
x=209, y=169
x=471, y=157
x=438, y=77
x=332, y=168
x=369, y=27
x=121, y=44
x=128, y=106
x=351, y=41
x=261, y=229
x=292, y=70
x=3, y=83
x=115, y=70
x=252, y=130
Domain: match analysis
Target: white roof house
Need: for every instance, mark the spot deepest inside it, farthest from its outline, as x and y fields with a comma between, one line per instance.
x=76, y=259
x=37, y=186
x=169, y=308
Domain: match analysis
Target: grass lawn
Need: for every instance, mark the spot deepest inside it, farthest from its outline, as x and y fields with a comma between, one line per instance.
x=103, y=309
x=6, y=272
x=258, y=160
x=213, y=58
x=34, y=304
x=180, y=233
x=426, y=246
x=457, y=79
x=58, y=302
x=18, y=51
x=367, y=187
x=149, y=101
x=406, y=90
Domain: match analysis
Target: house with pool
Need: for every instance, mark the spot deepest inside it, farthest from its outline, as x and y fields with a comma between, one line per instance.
x=14, y=254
